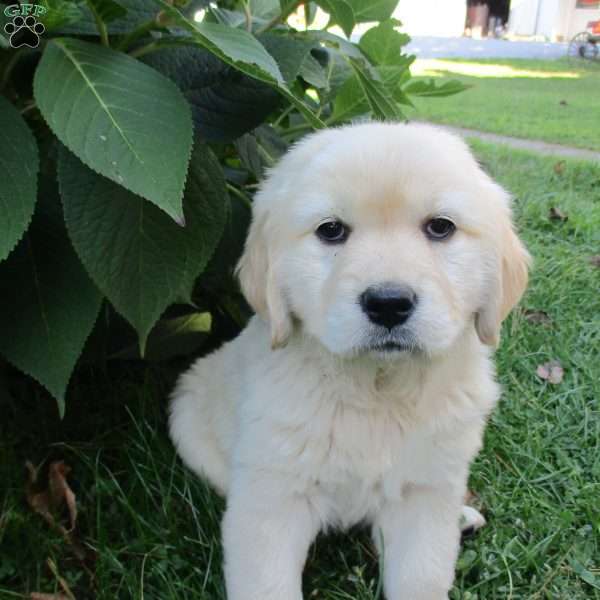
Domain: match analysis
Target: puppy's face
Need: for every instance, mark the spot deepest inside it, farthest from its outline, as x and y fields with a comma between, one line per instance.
x=383, y=239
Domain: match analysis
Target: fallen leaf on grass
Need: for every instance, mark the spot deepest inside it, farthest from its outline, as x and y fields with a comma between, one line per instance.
x=555, y=214
x=595, y=261
x=537, y=317
x=50, y=501
x=552, y=372
x=58, y=493
x=559, y=167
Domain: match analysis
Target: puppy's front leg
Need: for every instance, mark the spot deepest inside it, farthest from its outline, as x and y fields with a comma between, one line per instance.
x=420, y=543
x=266, y=541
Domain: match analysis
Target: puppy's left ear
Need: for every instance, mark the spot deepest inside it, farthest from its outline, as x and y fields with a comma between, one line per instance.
x=258, y=282
x=509, y=283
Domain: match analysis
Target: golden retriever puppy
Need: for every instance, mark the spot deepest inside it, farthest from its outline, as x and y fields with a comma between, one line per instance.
x=381, y=261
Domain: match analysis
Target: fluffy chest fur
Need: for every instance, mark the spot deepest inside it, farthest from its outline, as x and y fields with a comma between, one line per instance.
x=348, y=436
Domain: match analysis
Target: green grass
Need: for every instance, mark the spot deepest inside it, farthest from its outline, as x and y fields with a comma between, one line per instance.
x=536, y=99
x=151, y=529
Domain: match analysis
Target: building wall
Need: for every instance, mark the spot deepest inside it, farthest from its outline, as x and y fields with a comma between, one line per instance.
x=444, y=18
x=579, y=18
x=553, y=19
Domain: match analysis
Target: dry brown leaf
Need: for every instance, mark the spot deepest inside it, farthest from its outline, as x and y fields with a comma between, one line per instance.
x=40, y=596
x=58, y=493
x=537, y=317
x=559, y=167
x=552, y=372
x=48, y=502
x=555, y=214
x=595, y=261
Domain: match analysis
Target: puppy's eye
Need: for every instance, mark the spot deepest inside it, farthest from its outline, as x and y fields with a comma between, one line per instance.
x=333, y=232
x=439, y=228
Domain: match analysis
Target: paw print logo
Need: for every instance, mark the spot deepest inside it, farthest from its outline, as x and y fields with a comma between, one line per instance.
x=24, y=31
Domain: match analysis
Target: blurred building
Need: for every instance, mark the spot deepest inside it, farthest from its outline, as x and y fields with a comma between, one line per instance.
x=549, y=19
x=552, y=19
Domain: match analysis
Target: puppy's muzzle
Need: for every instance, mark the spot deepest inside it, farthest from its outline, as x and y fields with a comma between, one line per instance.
x=388, y=304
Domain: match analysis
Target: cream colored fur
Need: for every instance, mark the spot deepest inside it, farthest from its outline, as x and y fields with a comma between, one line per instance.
x=297, y=421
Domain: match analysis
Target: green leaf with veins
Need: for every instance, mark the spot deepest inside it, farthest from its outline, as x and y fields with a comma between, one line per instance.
x=140, y=259
x=372, y=10
x=19, y=165
x=113, y=112
x=52, y=305
x=383, y=44
x=341, y=14
x=241, y=50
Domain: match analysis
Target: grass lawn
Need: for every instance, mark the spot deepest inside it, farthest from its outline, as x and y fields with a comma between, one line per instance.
x=537, y=99
x=151, y=530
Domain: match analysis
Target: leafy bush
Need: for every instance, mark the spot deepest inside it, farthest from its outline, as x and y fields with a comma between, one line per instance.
x=131, y=141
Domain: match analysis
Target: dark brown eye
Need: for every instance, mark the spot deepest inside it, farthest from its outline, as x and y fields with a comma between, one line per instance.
x=439, y=228
x=333, y=232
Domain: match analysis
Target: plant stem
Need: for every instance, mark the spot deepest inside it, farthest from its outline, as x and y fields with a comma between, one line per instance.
x=248, y=15
x=283, y=115
x=29, y=106
x=10, y=65
x=100, y=24
x=297, y=129
x=239, y=194
x=157, y=45
x=280, y=18
x=137, y=33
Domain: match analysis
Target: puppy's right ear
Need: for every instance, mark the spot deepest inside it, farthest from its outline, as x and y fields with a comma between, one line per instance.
x=258, y=282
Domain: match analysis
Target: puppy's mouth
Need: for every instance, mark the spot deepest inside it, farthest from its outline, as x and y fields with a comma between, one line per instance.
x=391, y=347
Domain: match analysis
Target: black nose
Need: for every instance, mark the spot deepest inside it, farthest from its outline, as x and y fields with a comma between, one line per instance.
x=388, y=304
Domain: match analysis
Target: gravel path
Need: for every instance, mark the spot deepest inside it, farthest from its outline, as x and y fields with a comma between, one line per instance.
x=532, y=145
x=463, y=47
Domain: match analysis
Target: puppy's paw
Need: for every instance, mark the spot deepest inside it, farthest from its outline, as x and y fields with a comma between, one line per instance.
x=470, y=521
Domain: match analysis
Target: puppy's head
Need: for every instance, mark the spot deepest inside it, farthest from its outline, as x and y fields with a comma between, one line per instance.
x=382, y=239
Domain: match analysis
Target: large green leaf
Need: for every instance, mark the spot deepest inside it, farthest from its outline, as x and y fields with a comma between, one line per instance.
x=107, y=10
x=137, y=12
x=350, y=102
x=241, y=50
x=260, y=150
x=264, y=9
x=138, y=257
x=19, y=164
x=383, y=44
x=50, y=304
x=236, y=47
x=372, y=10
x=120, y=117
x=364, y=92
x=225, y=103
x=432, y=89
x=60, y=13
x=381, y=101
x=289, y=51
x=341, y=14
x=314, y=73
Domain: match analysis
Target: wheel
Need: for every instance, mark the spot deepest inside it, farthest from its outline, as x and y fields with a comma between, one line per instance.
x=582, y=46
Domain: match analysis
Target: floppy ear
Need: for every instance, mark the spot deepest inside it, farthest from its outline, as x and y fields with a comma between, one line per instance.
x=508, y=285
x=259, y=285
